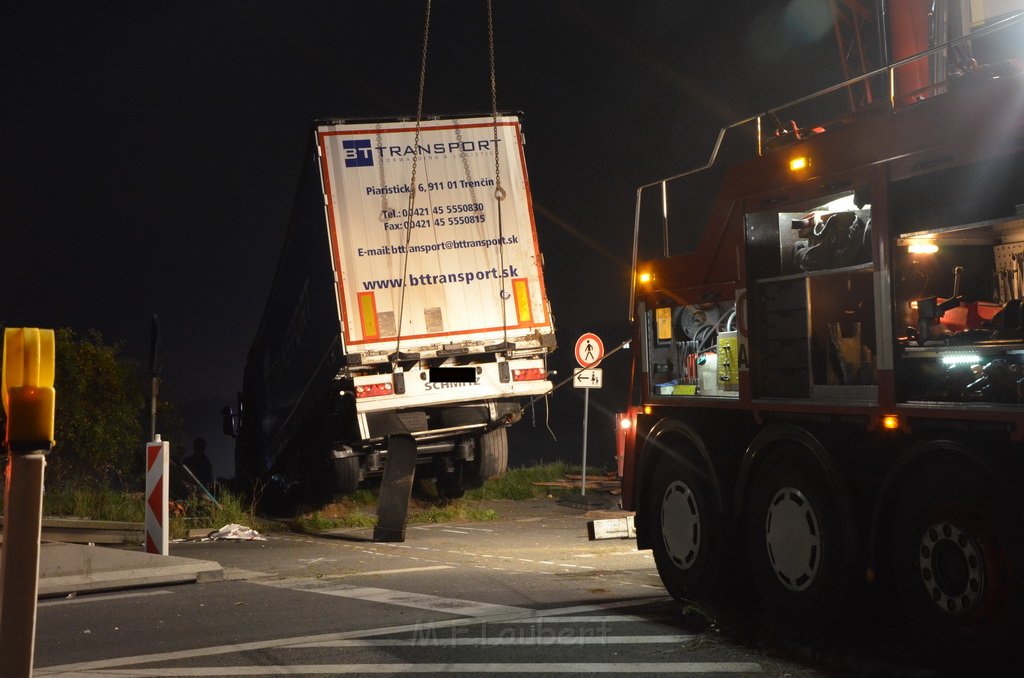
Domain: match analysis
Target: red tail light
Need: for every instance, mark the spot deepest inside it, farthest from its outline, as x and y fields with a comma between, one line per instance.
x=529, y=374
x=374, y=390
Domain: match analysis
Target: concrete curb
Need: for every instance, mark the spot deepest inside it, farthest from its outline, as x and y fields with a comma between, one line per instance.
x=74, y=568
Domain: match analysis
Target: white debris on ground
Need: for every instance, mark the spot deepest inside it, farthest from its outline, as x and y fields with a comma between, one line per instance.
x=236, y=531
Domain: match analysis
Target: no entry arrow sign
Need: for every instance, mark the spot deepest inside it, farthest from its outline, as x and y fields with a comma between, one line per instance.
x=587, y=377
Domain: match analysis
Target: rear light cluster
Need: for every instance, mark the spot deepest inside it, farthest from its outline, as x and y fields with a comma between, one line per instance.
x=529, y=374
x=374, y=390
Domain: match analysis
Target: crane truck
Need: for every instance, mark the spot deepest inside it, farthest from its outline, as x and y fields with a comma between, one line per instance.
x=409, y=299
x=828, y=402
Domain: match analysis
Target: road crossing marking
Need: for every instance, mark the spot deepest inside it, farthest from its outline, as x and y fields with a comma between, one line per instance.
x=509, y=641
x=420, y=601
x=117, y=665
x=658, y=668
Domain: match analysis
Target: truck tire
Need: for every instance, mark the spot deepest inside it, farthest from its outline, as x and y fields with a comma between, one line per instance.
x=491, y=454
x=956, y=550
x=450, y=485
x=346, y=475
x=795, y=541
x=685, y=518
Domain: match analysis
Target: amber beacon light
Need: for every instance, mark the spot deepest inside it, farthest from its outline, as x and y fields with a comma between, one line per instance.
x=28, y=394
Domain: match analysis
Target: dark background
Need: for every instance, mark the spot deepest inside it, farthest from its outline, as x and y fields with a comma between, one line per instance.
x=151, y=152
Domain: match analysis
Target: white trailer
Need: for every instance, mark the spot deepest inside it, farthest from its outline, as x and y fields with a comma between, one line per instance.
x=409, y=299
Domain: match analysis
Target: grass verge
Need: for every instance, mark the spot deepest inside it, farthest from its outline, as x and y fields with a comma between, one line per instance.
x=193, y=512
x=353, y=511
x=358, y=510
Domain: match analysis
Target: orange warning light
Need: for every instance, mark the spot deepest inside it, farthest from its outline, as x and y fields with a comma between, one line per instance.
x=799, y=163
x=27, y=388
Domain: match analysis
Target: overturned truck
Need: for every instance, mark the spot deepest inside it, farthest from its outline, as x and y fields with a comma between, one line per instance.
x=409, y=299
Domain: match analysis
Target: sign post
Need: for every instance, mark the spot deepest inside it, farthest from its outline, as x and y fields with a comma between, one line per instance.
x=28, y=399
x=589, y=351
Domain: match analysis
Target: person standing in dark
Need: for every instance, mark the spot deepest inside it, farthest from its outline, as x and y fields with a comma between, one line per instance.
x=199, y=463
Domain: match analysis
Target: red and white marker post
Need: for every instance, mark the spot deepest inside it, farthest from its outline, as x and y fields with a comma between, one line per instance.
x=158, y=461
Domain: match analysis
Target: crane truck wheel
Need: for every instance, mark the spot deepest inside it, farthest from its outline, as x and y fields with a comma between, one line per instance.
x=956, y=550
x=685, y=527
x=795, y=541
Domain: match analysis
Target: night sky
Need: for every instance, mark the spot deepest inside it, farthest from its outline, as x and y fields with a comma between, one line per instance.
x=151, y=152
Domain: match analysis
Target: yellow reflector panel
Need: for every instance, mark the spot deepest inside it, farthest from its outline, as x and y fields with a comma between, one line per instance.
x=521, y=290
x=368, y=315
x=663, y=318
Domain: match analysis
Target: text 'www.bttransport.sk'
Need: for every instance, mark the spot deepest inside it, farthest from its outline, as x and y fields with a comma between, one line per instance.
x=465, y=277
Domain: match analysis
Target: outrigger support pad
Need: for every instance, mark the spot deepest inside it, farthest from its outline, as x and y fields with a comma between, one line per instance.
x=396, y=489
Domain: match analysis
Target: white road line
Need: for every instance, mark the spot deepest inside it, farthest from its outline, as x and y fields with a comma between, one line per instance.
x=468, y=608
x=531, y=640
x=401, y=570
x=594, y=619
x=99, y=598
x=659, y=668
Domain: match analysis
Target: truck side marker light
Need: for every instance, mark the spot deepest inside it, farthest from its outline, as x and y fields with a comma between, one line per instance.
x=890, y=422
x=961, y=359
x=922, y=247
x=799, y=163
x=647, y=409
x=645, y=277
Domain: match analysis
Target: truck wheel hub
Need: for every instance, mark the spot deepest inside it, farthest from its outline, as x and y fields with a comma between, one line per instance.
x=793, y=538
x=680, y=525
x=951, y=568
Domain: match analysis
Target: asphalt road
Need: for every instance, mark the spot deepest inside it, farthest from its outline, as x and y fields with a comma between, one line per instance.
x=528, y=593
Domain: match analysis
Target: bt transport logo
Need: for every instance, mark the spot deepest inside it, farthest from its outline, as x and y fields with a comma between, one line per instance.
x=358, y=152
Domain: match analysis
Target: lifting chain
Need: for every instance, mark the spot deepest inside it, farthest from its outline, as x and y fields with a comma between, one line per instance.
x=419, y=104
x=499, y=192
x=412, y=180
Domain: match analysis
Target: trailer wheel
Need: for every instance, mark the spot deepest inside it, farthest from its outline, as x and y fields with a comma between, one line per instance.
x=795, y=541
x=957, y=561
x=450, y=485
x=491, y=454
x=346, y=475
x=685, y=517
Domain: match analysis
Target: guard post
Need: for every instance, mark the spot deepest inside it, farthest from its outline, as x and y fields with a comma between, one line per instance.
x=158, y=530
x=28, y=400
